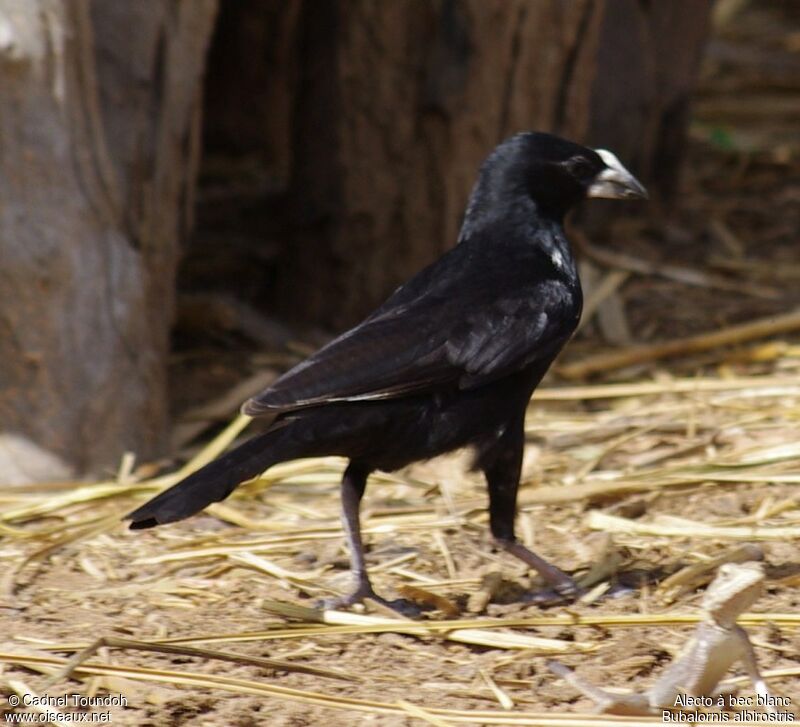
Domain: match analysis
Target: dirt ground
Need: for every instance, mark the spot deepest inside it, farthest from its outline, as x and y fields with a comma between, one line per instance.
x=697, y=460
x=209, y=584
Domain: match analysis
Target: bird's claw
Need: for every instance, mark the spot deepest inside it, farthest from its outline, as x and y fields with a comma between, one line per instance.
x=568, y=588
x=568, y=592
x=565, y=591
x=364, y=592
x=619, y=590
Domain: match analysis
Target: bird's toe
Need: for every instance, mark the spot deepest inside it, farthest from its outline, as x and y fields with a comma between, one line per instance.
x=364, y=592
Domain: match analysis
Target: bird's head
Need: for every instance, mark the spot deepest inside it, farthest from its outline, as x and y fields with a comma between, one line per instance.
x=554, y=173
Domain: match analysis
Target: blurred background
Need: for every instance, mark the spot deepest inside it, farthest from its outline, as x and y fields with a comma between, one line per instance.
x=194, y=195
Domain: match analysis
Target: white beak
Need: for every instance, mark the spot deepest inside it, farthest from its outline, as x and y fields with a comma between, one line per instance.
x=615, y=182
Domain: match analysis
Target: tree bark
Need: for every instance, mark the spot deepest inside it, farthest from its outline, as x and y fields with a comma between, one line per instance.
x=98, y=147
x=397, y=103
x=647, y=59
x=250, y=84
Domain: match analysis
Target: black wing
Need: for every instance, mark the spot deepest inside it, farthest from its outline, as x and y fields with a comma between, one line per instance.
x=459, y=323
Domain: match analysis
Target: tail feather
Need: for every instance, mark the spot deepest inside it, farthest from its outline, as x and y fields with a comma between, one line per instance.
x=211, y=483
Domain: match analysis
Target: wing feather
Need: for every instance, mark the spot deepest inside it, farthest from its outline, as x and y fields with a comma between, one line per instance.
x=421, y=340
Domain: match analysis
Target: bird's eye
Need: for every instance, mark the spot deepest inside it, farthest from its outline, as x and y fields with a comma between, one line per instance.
x=580, y=167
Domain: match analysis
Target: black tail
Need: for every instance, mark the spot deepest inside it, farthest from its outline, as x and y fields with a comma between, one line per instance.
x=211, y=483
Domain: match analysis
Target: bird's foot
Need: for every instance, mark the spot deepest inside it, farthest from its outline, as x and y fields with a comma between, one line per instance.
x=565, y=591
x=618, y=590
x=364, y=592
x=561, y=587
x=569, y=591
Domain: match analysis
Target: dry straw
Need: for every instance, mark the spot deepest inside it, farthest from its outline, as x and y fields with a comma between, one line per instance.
x=634, y=445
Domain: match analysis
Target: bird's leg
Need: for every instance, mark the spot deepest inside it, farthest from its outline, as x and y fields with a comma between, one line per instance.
x=354, y=483
x=562, y=584
x=502, y=465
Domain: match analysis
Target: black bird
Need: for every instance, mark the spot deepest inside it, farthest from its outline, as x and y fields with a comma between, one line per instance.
x=449, y=360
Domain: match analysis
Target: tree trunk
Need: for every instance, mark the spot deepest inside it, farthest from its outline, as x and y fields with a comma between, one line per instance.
x=250, y=84
x=397, y=103
x=646, y=59
x=98, y=147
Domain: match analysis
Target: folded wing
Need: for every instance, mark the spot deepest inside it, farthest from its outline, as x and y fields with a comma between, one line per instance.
x=428, y=345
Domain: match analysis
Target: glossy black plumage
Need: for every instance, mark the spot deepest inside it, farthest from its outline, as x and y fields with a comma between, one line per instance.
x=449, y=360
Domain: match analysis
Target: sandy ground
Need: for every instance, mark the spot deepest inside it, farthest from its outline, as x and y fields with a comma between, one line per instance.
x=213, y=582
